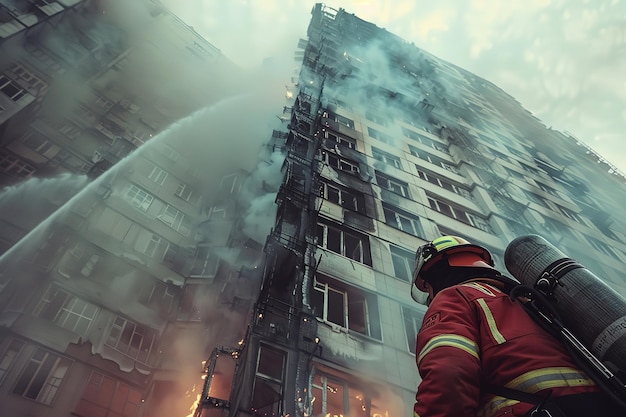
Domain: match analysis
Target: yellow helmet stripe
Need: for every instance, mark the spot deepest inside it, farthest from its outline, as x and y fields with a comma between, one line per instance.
x=449, y=340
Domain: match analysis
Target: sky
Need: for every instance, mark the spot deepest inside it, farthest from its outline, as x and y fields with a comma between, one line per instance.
x=563, y=60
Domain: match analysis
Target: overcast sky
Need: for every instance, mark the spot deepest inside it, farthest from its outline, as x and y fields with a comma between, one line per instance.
x=564, y=60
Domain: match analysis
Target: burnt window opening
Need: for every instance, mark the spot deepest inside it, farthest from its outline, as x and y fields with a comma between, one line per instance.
x=133, y=340
x=344, y=241
x=340, y=119
x=342, y=164
x=403, y=261
x=346, y=306
x=402, y=220
x=107, y=396
x=342, y=140
x=269, y=382
x=386, y=157
x=42, y=377
x=393, y=184
x=347, y=199
x=343, y=395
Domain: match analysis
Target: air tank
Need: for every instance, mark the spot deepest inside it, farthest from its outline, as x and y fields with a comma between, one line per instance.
x=591, y=310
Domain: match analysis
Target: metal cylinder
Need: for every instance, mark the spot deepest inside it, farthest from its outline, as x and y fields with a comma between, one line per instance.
x=590, y=309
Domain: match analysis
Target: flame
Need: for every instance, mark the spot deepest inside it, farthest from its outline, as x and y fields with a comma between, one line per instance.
x=194, y=406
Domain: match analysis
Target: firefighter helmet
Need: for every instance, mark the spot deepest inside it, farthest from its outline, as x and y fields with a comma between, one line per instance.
x=441, y=249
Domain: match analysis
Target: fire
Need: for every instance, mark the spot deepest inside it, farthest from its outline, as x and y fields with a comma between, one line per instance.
x=194, y=406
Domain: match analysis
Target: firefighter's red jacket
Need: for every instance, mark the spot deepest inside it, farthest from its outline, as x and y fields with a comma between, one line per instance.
x=473, y=333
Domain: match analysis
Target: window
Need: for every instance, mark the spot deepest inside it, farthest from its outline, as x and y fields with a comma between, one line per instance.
x=349, y=244
x=70, y=130
x=133, y=340
x=230, y=183
x=412, y=324
x=66, y=310
x=339, y=163
x=175, y=219
x=205, y=265
x=376, y=119
x=435, y=160
x=41, y=378
x=536, y=199
x=334, y=396
x=11, y=89
x=39, y=144
x=547, y=189
x=268, y=382
x=342, y=140
x=345, y=199
x=424, y=140
x=458, y=213
x=157, y=175
x=138, y=197
x=403, y=262
x=107, y=397
x=393, y=184
x=15, y=167
x=387, y=158
x=402, y=220
x=383, y=137
x=444, y=183
x=152, y=245
x=9, y=356
x=340, y=119
x=29, y=78
x=570, y=214
x=183, y=191
x=345, y=306
x=104, y=103
x=159, y=297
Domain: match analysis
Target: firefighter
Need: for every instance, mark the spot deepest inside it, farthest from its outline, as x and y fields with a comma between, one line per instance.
x=479, y=353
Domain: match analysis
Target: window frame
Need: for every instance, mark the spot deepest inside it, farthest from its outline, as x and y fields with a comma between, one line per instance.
x=124, y=328
x=397, y=218
x=324, y=230
x=71, y=306
x=392, y=184
x=387, y=158
x=344, y=198
x=402, y=261
x=47, y=363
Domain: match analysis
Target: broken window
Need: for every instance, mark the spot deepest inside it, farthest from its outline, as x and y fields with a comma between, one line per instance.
x=11, y=89
x=387, y=158
x=66, y=310
x=342, y=140
x=350, y=244
x=340, y=119
x=412, y=324
x=41, y=378
x=345, y=306
x=105, y=396
x=8, y=358
x=132, y=339
x=339, y=163
x=402, y=220
x=393, y=184
x=268, y=383
x=342, y=197
x=334, y=395
x=403, y=261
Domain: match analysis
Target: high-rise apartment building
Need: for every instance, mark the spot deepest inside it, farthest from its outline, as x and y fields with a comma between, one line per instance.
x=108, y=306
x=390, y=147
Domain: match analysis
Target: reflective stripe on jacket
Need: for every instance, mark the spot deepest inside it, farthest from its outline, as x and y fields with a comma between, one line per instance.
x=473, y=334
